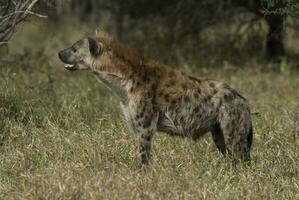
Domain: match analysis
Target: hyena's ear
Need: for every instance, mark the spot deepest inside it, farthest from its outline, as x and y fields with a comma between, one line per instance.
x=95, y=48
x=97, y=31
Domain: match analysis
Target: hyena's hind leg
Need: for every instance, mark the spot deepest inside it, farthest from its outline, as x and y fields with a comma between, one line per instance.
x=236, y=126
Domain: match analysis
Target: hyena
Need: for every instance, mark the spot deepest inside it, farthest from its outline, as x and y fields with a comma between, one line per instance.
x=154, y=97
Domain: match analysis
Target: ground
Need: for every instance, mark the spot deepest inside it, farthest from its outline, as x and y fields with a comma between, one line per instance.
x=63, y=137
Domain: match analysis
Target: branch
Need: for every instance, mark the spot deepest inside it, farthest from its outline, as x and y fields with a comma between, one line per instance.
x=14, y=13
x=20, y=12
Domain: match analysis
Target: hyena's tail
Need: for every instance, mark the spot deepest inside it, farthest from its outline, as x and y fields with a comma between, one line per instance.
x=236, y=126
x=250, y=137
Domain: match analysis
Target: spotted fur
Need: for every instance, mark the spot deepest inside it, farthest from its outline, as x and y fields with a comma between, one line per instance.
x=155, y=98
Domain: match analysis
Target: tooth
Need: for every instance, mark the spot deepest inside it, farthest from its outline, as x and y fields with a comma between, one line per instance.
x=69, y=65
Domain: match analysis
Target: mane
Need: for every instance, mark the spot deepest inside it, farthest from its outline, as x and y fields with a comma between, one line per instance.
x=120, y=50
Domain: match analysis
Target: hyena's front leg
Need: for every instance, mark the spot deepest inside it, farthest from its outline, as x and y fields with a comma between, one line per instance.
x=145, y=125
x=144, y=145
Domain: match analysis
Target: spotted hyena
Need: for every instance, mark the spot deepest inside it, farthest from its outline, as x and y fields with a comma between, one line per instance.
x=154, y=97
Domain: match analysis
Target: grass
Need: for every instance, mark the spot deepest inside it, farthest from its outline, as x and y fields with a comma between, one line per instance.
x=62, y=137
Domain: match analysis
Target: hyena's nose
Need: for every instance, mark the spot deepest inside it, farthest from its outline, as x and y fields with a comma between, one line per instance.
x=60, y=55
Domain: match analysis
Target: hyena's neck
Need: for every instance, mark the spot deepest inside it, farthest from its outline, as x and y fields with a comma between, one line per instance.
x=118, y=75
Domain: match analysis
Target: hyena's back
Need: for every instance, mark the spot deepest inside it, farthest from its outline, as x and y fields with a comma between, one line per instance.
x=190, y=107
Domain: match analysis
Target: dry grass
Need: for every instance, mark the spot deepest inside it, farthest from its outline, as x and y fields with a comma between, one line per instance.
x=62, y=137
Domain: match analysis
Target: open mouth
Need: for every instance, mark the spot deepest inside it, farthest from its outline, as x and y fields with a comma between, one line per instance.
x=70, y=67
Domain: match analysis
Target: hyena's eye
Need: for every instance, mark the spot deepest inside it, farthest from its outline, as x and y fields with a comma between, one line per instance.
x=74, y=49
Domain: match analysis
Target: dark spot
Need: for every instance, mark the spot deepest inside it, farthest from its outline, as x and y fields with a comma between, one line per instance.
x=181, y=120
x=214, y=92
x=153, y=88
x=144, y=78
x=227, y=97
x=221, y=114
x=186, y=99
x=160, y=94
x=173, y=102
x=184, y=86
x=199, y=91
x=146, y=137
x=146, y=123
x=138, y=83
x=196, y=96
x=196, y=109
x=140, y=115
x=167, y=97
x=140, y=124
x=142, y=112
x=207, y=99
x=220, y=102
x=233, y=95
x=212, y=85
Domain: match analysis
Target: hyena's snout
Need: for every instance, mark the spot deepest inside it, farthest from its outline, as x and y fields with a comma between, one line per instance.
x=64, y=56
x=68, y=59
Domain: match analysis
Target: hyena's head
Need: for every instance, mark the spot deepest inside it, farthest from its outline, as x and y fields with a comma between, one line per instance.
x=81, y=54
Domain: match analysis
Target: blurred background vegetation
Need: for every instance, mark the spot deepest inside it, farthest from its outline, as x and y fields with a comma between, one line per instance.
x=207, y=33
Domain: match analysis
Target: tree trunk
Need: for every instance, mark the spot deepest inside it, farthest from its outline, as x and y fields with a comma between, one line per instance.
x=275, y=37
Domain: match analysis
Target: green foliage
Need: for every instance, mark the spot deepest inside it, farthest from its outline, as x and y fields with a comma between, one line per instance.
x=290, y=8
